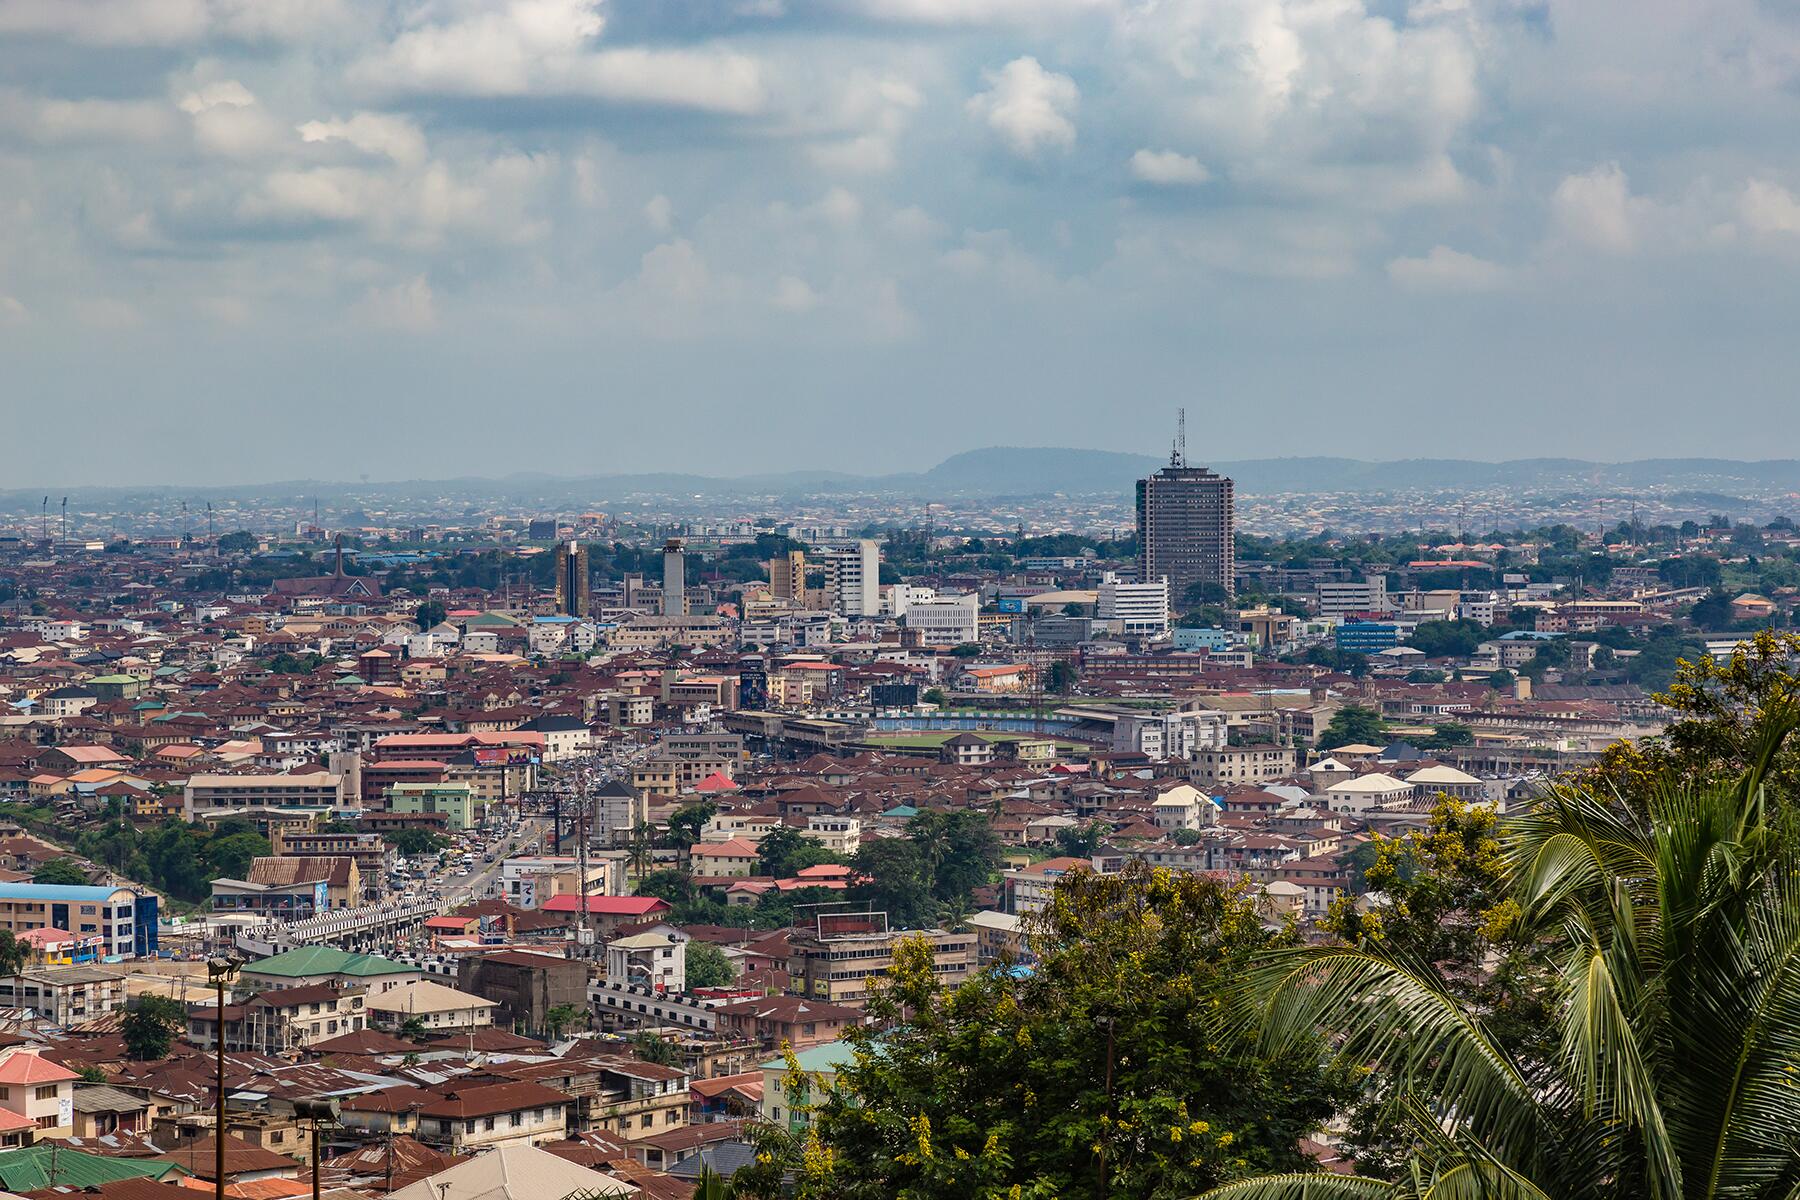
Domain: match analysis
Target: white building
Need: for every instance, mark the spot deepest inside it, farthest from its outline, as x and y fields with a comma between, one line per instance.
x=946, y=620
x=1368, y=792
x=853, y=577
x=655, y=958
x=1138, y=609
x=1170, y=735
x=898, y=597
x=1183, y=806
x=1341, y=599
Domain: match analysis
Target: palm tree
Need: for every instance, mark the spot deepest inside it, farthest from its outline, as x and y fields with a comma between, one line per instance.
x=638, y=852
x=1672, y=928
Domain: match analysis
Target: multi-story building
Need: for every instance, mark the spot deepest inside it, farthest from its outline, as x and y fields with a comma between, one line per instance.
x=1185, y=525
x=64, y=995
x=277, y=1022
x=124, y=921
x=853, y=579
x=525, y=986
x=40, y=1091
x=835, y=958
x=468, y=1120
x=945, y=620
x=1137, y=609
x=209, y=793
x=1231, y=766
x=572, y=579
x=787, y=577
x=440, y=1010
x=312, y=965
x=1343, y=598
x=456, y=801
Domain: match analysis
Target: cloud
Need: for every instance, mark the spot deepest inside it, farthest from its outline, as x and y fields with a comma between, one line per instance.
x=1028, y=108
x=409, y=306
x=794, y=295
x=1167, y=168
x=49, y=121
x=1596, y=209
x=660, y=213
x=1445, y=270
x=536, y=48
x=391, y=137
x=1767, y=207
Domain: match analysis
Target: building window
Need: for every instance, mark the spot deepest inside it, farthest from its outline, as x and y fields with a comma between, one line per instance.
x=46, y=1092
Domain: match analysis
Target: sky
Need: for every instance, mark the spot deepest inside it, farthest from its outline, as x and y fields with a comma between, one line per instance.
x=244, y=240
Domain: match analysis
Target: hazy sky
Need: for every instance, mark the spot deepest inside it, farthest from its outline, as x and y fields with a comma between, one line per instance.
x=253, y=239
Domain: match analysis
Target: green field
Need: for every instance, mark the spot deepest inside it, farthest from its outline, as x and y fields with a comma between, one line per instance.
x=929, y=741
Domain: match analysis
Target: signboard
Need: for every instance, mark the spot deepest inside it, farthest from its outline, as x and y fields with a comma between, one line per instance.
x=1011, y=604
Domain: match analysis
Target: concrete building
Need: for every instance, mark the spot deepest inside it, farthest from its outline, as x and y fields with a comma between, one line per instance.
x=1185, y=525
x=945, y=620
x=442, y=1010
x=1231, y=766
x=572, y=597
x=41, y=1091
x=1341, y=599
x=674, y=594
x=64, y=995
x=834, y=959
x=787, y=578
x=1135, y=609
x=524, y=986
x=209, y=793
x=853, y=578
x=122, y=920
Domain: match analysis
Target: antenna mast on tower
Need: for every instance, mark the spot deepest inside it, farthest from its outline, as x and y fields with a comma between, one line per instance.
x=1178, y=453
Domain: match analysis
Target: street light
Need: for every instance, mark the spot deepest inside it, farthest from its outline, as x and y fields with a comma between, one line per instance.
x=319, y=1112
x=220, y=969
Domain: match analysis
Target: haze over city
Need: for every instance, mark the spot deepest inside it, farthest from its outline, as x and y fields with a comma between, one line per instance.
x=525, y=236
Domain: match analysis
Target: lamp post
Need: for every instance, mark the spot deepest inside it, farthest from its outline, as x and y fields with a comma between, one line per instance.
x=321, y=1112
x=220, y=969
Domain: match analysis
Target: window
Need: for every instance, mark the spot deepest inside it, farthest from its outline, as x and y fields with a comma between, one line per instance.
x=468, y=1127
x=46, y=1092
x=518, y=1119
x=487, y=1125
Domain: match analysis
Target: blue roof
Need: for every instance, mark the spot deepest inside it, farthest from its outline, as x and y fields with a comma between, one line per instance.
x=57, y=892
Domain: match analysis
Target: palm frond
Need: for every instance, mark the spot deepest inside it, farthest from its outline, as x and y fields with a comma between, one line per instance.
x=1312, y=1186
x=1402, y=1017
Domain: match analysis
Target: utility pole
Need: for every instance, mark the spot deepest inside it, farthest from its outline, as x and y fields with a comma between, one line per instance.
x=581, y=855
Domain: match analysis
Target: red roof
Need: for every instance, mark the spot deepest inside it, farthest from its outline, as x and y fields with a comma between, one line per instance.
x=718, y=781
x=25, y=1066
x=610, y=906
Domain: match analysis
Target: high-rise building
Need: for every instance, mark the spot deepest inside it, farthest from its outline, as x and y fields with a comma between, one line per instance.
x=1185, y=526
x=572, y=579
x=674, y=596
x=853, y=579
x=787, y=577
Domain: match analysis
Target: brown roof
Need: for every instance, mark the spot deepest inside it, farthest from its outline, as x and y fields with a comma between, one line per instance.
x=460, y=1103
x=196, y=1157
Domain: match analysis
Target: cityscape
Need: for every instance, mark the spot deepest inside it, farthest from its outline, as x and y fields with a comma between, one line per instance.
x=899, y=600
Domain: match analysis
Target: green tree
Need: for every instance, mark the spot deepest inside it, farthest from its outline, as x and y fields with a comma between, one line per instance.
x=685, y=824
x=239, y=541
x=64, y=871
x=1062, y=677
x=652, y=1049
x=785, y=851
x=1668, y=926
x=14, y=954
x=414, y=842
x=1124, y=1064
x=429, y=615
x=1080, y=841
x=1354, y=725
x=151, y=1026
x=892, y=877
x=707, y=966
x=1448, y=639
x=564, y=1016
x=966, y=650
x=935, y=696
x=414, y=1029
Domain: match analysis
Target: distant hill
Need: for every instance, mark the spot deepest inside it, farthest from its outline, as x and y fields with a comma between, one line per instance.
x=1021, y=471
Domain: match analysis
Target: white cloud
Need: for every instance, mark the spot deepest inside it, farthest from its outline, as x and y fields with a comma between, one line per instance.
x=1028, y=108
x=1767, y=207
x=12, y=310
x=1445, y=270
x=408, y=305
x=794, y=295
x=660, y=213
x=392, y=137
x=1167, y=168
x=1596, y=209
x=172, y=22
x=58, y=122
x=551, y=48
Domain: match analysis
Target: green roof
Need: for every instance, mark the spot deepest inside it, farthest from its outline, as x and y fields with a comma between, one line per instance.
x=28, y=1170
x=114, y=679
x=325, y=960
x=819, y=1060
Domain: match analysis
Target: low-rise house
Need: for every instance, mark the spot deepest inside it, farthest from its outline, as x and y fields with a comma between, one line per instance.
x=64, y=995
x=438, y=1009
x=795, y=1021
x=38, y=1090
x=465, y=1119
